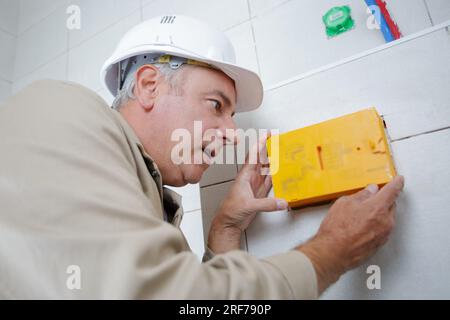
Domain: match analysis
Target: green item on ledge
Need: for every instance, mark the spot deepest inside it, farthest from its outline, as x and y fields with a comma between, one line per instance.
x=338, y=20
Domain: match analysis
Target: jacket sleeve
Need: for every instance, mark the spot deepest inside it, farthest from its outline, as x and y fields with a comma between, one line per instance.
x=86, y=207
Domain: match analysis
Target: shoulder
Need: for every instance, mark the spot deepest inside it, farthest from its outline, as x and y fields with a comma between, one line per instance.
x=62, y=96
x=60, y=102
x=63, y=112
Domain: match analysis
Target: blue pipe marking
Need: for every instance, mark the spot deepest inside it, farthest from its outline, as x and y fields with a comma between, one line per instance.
x=387, y=34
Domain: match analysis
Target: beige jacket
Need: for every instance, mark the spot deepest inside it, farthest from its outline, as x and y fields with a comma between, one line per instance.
x=78, y=189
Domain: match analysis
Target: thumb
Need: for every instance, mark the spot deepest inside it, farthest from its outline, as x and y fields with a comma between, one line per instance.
x=366, y=193
x=267, y=204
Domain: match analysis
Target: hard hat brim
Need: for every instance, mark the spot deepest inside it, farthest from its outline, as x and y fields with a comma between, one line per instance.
x=249, y=89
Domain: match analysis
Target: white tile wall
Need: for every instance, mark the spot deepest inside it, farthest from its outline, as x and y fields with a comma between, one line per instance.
x=7, y=52
x=35, y=11
x=376, y=80
x=274, y=232
x=191, y=225
x=106, y=96
x=9, y=15
x=9, y=11
x=220, y=172
x=419, y=237
x=211, y=197
x=5, y=90
x=55, y=69
x=190, y=197
x=410, y=15
x=40, y=44
x=97, y=15
x=292, y=40
x=221, y=14
x=408, y=84
x=86, y=60
x=242, y=39
x=144, y=2
x=291, y=37
x=421, y=232
x=258, y=7
x=439, y=10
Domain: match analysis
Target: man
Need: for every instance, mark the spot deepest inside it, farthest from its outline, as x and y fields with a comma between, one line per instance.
x=84, y=213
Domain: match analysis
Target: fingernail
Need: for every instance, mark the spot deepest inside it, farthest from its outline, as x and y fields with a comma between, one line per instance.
x=281, y=204
x=372, y=188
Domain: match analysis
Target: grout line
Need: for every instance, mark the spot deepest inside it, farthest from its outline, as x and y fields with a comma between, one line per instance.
x=236, y=25
x=251, y=17
x=8, y=32
x=270, y=9
x=249, y=9
x=421, y=134
x=359, y=56
x=241, y=22
x=104, y=29
x=428, y=12
x=215, y=184
x=67, y=67
x=68, y=48
x=14, y=47
x=19, y=33
x=5, y=80
x=192, y=210
x=41, y=66
x=254, y=38
x=67, y=55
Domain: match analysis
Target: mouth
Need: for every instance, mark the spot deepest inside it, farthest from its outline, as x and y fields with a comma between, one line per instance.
x=208, y=154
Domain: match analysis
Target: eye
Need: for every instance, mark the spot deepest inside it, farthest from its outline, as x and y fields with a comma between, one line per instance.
x=216, y=104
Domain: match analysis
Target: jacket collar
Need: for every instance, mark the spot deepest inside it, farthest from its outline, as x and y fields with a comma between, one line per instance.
x=171, y=201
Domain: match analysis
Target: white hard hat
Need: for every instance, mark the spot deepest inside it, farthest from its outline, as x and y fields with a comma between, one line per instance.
x=185, y=37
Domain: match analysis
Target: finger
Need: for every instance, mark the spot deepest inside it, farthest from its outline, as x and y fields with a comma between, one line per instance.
x=263, y=156
x=393, y=209
x=252, y=158
x=267, y=205
x=389, y=193
x=391, y=214
x=366, y=193
x=267, y=184
x=265, y=187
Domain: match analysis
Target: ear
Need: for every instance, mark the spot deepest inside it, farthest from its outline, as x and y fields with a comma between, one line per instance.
x=147, y=82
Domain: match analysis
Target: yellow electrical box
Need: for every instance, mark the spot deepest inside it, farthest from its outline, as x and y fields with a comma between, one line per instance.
x=324, y=161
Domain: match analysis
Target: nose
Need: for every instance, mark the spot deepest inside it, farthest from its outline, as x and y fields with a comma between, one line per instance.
x=228, y=131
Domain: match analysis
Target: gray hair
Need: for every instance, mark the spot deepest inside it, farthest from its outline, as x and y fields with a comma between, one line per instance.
x=126, y=93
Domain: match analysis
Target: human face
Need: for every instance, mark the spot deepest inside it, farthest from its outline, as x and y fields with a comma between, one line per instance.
x=200, y=94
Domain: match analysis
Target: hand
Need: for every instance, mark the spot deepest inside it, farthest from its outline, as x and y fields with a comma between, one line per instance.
x=355, y=227
x=246, y=197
